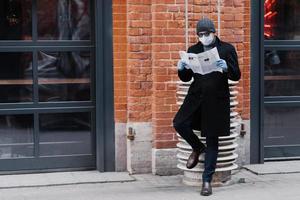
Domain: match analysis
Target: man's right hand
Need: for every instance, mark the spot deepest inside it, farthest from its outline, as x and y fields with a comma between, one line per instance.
x=181, y=64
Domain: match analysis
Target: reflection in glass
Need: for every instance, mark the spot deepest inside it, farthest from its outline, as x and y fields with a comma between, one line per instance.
x=15, y=80
x=15, y=20
x=281, y=125
x=64, y=76
x=282, y=20
x=63, y=20
x=282, y=73
x=65, y=134
x=16, y=136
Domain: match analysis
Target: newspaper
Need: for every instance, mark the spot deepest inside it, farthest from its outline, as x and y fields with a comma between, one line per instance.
x=202, y=63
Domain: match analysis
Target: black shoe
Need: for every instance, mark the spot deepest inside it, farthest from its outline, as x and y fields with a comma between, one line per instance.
x=206, y=189
x=194, y=158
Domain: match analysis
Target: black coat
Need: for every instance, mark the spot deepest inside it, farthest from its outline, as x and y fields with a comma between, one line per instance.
x=208, y=97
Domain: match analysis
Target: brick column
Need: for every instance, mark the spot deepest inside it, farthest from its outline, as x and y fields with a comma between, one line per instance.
x=167, y=39
x=139, y=83
x=120, y=80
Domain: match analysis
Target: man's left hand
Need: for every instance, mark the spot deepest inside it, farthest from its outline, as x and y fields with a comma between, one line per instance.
x=222, y=63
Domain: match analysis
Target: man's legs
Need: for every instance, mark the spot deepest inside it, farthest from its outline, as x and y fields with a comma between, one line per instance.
x=185, y=130
x=210, y=162
x=211, y=155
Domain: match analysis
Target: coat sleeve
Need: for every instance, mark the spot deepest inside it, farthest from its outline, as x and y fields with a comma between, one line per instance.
x=234, y=72
x=185, y=75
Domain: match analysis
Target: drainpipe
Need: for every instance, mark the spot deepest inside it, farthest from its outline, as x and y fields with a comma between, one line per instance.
x=186, y=5
x=219, y=17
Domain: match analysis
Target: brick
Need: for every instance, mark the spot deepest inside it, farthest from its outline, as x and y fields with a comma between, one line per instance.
x=164, y=136
x=159, y=86
x=163, y=122
x=165, y=144
x=140, y=24
x=160, y=115
x=146, y=85
x=173, y=31
x=162, y=16
x=163, y=1
x=173, y=8
x=159, y=8
x=140, y=16
x=161, y=55
x=160, y=48
x=139, y=9
x=176, y=24
x=163, y=108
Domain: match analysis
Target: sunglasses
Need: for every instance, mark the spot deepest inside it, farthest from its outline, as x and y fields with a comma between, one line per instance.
x=200, y=34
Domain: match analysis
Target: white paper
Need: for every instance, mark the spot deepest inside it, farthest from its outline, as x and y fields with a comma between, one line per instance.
x=202, y=63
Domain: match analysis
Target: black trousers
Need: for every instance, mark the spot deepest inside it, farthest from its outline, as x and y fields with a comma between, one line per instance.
x=185, y=130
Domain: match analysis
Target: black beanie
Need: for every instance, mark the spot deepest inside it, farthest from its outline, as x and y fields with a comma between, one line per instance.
x=205, y=24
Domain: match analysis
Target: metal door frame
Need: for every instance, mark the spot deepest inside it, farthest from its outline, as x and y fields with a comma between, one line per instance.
x=256, y=78
x=105, y=133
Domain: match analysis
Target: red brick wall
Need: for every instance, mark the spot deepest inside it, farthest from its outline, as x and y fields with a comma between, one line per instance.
x=167, y=39
x=120, y=59
x=245, y=47
x=155, y=34
x=139, y=64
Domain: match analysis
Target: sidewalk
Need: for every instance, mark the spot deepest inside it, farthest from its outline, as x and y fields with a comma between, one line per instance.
x=121, y=186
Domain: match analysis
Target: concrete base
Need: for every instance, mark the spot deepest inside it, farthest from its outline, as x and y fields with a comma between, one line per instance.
x=121, y=147
x=164, y=162
x=139, y=156
x=243, y=149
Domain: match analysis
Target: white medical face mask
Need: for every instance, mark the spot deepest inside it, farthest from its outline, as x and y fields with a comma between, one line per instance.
x=207, y=40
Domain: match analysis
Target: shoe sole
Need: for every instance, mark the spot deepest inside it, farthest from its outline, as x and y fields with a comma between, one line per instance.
x=206, y=194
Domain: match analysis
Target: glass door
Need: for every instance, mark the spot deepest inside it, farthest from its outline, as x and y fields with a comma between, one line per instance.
x=47, y=68
x=281, y=79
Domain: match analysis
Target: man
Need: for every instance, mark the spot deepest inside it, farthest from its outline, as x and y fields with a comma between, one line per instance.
x=207, y=104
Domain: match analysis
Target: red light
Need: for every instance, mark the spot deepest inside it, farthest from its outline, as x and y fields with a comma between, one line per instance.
x=267, y=34
x=268, y=17
x=268, y=14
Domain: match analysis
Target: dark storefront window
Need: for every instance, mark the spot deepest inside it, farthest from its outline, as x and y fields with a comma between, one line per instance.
x=16, y=138
x=280, y=120
x=282, y=67
x=64, y=76
x=282, y=20
x=63, y=20
x=47, y=104
x=65, y=134
x=15, y=20
x=15, y=77
x=282, y=73
x=281, y=79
